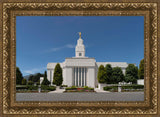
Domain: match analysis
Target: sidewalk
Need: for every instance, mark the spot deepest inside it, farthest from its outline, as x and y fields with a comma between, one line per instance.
x=100, y=90
x=57, y=91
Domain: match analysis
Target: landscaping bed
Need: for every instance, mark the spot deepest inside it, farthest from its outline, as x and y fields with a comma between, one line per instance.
x=79, y=89
x=126, y=88
x=34, y=89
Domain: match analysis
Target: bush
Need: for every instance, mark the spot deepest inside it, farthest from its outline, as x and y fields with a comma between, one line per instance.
x=31, y=87
x=68, y=88
x=30, y=83
x=107, y=88
x=50, y=88
x=64, y=85
x=37, y=83
x=24, y=81
x=22, y=87
x=79, y=88
x=133, y=87
x=110, y=88
x=73, y=87
x=86, y=87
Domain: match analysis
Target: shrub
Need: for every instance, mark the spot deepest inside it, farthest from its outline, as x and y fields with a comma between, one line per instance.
x=50, y=88
x=31, y=87
x=24, y=81
x=86, y=87
x=68, y=88
x=22, y=87
x=73, y=87
x=110, y=88
x=30, y=83
x=37, y=83
x=107, y=88
x=64, y=85
x=133, y=87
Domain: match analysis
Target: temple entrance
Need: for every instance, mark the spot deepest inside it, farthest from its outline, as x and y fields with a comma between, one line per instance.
x=79, y=76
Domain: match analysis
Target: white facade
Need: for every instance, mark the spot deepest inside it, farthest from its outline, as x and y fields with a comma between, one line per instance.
x=80, y=70
x=140, y=81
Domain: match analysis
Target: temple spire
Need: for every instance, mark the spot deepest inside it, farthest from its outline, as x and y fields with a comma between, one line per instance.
x=80, y=48
x=79, y=34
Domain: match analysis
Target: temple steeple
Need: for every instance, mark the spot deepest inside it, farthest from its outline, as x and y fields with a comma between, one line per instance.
x=80, y=48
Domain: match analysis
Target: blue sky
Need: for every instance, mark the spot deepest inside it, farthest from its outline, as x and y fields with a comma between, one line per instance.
x=43, y=39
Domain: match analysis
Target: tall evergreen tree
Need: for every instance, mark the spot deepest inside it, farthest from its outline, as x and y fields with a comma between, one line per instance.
x=45, y=81
x=117, y=75
x=108, y=69
x=131, y=74
x=19, y=76
x=58, y=77
x=141, y=69
x=101, y=74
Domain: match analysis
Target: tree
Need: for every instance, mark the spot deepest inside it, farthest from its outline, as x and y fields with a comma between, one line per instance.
x=101, y=74
x=58, y=77
x=131, y=74
x=19, y=76
x=117, y=75
x=108, y=69
x=35, y=77
x=24, y=81
x=141, y=69
x=45, y=81
x=30, y=78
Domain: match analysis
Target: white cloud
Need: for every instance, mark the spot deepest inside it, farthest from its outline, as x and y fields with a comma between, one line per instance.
x=34, y=70
x=61, y=47
x=70, y=46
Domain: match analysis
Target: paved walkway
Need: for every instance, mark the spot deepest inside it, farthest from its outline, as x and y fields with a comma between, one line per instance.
x=110, y=96
x=100, y=90
x=57, y=91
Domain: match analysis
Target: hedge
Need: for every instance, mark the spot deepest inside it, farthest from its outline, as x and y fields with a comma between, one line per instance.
x=109, y=88
x=133, y=87
x=114, y=88
x=31, y=87
x=50, y=88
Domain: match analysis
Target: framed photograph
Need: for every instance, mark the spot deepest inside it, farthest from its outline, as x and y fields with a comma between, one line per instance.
x=79, y=58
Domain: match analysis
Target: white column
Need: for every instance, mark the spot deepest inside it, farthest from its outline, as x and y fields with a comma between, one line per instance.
x=84, y=76
x=78, y=76
x=81, y=76
x=75, y=75
x=51, y=76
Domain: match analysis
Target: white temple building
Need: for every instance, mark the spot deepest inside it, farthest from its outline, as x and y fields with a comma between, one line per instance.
x=80, y=70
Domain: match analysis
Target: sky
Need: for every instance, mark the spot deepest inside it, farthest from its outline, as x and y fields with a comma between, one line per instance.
x=44, y=39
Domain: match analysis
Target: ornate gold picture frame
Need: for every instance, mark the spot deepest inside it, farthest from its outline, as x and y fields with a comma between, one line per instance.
x=11, y=9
